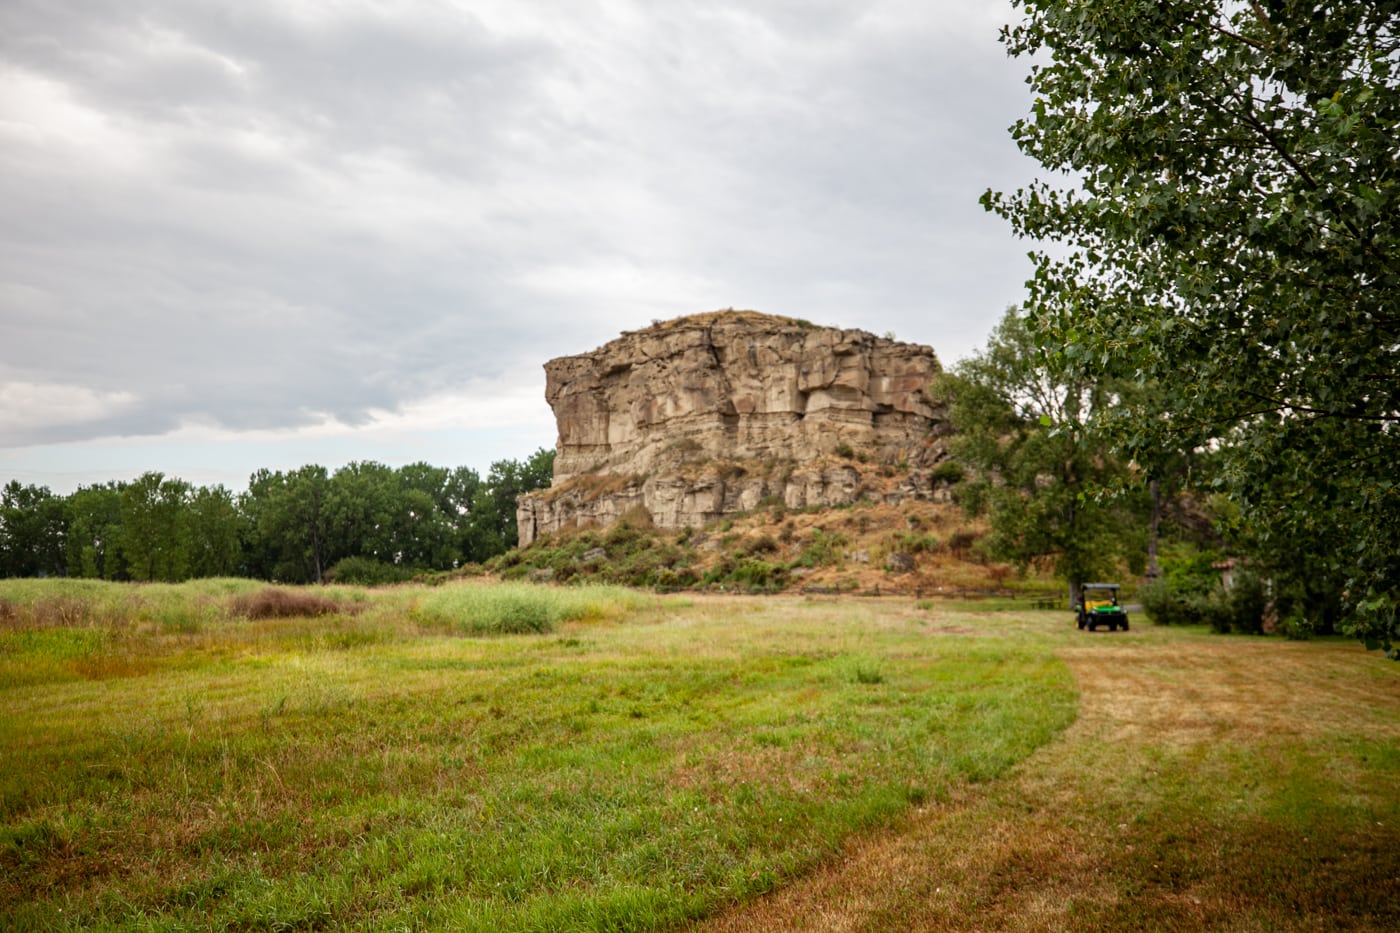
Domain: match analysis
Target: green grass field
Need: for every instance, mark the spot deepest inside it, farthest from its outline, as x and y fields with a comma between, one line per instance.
x=481, y=757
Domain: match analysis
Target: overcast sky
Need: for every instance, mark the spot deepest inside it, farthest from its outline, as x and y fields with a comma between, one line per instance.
x=262, y=233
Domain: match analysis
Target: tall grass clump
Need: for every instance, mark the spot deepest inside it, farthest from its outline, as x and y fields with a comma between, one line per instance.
x=521, y=608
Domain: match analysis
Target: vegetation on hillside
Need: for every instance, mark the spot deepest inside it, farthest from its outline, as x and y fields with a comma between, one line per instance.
x=916, y=548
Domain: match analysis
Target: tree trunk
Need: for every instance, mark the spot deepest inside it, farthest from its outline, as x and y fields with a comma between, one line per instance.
x=1154, y=491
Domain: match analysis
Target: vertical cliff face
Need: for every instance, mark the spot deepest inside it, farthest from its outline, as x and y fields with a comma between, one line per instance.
x=707, y=415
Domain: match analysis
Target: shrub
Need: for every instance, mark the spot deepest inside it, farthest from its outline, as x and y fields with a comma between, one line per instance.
x=623, y=533
x=1196, y=599
x=274, y=603
x=637, y=517
x=826, y=547
x=1296, y=626
x=1247, y=603
x=675, y=578
x=915, y=543
x=948, y=472
x=763, y=544
x=366, y=571
x=1214, y=609
x=1192, y=573
x=759, y=574
x=747, y=572
x=960, y=543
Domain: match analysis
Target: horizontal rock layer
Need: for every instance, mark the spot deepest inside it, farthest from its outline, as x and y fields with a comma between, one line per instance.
x=679, y=501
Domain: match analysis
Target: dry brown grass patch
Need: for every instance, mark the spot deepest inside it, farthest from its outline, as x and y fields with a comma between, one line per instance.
x=1255, y=688
x=273, y=603
x=50, y=612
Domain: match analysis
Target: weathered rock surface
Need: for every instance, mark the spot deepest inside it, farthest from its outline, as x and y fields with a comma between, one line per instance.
x=712, y=414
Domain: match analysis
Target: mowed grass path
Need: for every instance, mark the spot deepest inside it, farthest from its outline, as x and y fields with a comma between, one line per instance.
x=167, y=762
x=1209, y=783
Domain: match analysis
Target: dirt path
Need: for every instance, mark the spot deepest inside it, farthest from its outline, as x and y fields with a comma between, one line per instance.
x=1159, y=808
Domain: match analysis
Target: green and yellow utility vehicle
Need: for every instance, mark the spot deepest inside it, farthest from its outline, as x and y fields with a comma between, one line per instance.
x=1099, y=605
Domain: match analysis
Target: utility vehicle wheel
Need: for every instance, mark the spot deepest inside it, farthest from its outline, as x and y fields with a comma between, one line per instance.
x=1125, y=625
x=1093, y=625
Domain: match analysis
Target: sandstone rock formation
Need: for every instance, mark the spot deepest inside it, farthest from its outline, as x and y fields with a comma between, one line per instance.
x=711, y=414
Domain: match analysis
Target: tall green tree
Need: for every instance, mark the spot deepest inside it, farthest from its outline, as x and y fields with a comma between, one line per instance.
x=285, y=526
x=1226, y=228
x=155, y=531
x=1052, y=496
x=95, y=532
x=213, y=522
x=428, y=519
x=361, y=509
x=458, y=496
x=33, y=529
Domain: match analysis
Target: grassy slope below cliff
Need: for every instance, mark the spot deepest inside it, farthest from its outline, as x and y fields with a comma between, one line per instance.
x=773, y=549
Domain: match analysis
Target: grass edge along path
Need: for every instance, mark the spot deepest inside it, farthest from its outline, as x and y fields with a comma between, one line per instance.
x=370, y=767
x=1210, y=783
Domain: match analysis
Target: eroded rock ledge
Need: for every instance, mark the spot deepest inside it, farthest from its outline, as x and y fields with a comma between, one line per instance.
x=703, y=416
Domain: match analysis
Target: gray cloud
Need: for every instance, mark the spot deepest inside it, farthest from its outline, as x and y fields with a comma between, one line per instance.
x=260, y=214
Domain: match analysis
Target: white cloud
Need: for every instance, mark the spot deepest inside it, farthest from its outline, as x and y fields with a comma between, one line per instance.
x=28, y=406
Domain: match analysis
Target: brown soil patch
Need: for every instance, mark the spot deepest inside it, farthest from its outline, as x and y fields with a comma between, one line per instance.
x=1061, y=844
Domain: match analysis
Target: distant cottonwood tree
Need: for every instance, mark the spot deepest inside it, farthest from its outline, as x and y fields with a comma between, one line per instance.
x=155, y=532
x=285, y=524
x=1229, y=233
x=94, y=540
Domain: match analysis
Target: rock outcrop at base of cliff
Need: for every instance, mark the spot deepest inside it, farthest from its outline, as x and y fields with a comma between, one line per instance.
x=707, y=415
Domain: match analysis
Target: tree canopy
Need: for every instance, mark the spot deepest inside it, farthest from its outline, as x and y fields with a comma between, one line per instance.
x=297, y=526
x=1021, y=426
x=1225, y=228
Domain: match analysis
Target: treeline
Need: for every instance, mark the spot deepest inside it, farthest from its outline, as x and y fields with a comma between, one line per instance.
x=364, y=523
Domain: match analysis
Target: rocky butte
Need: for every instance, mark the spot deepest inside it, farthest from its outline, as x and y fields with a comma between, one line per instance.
x=704, y=416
